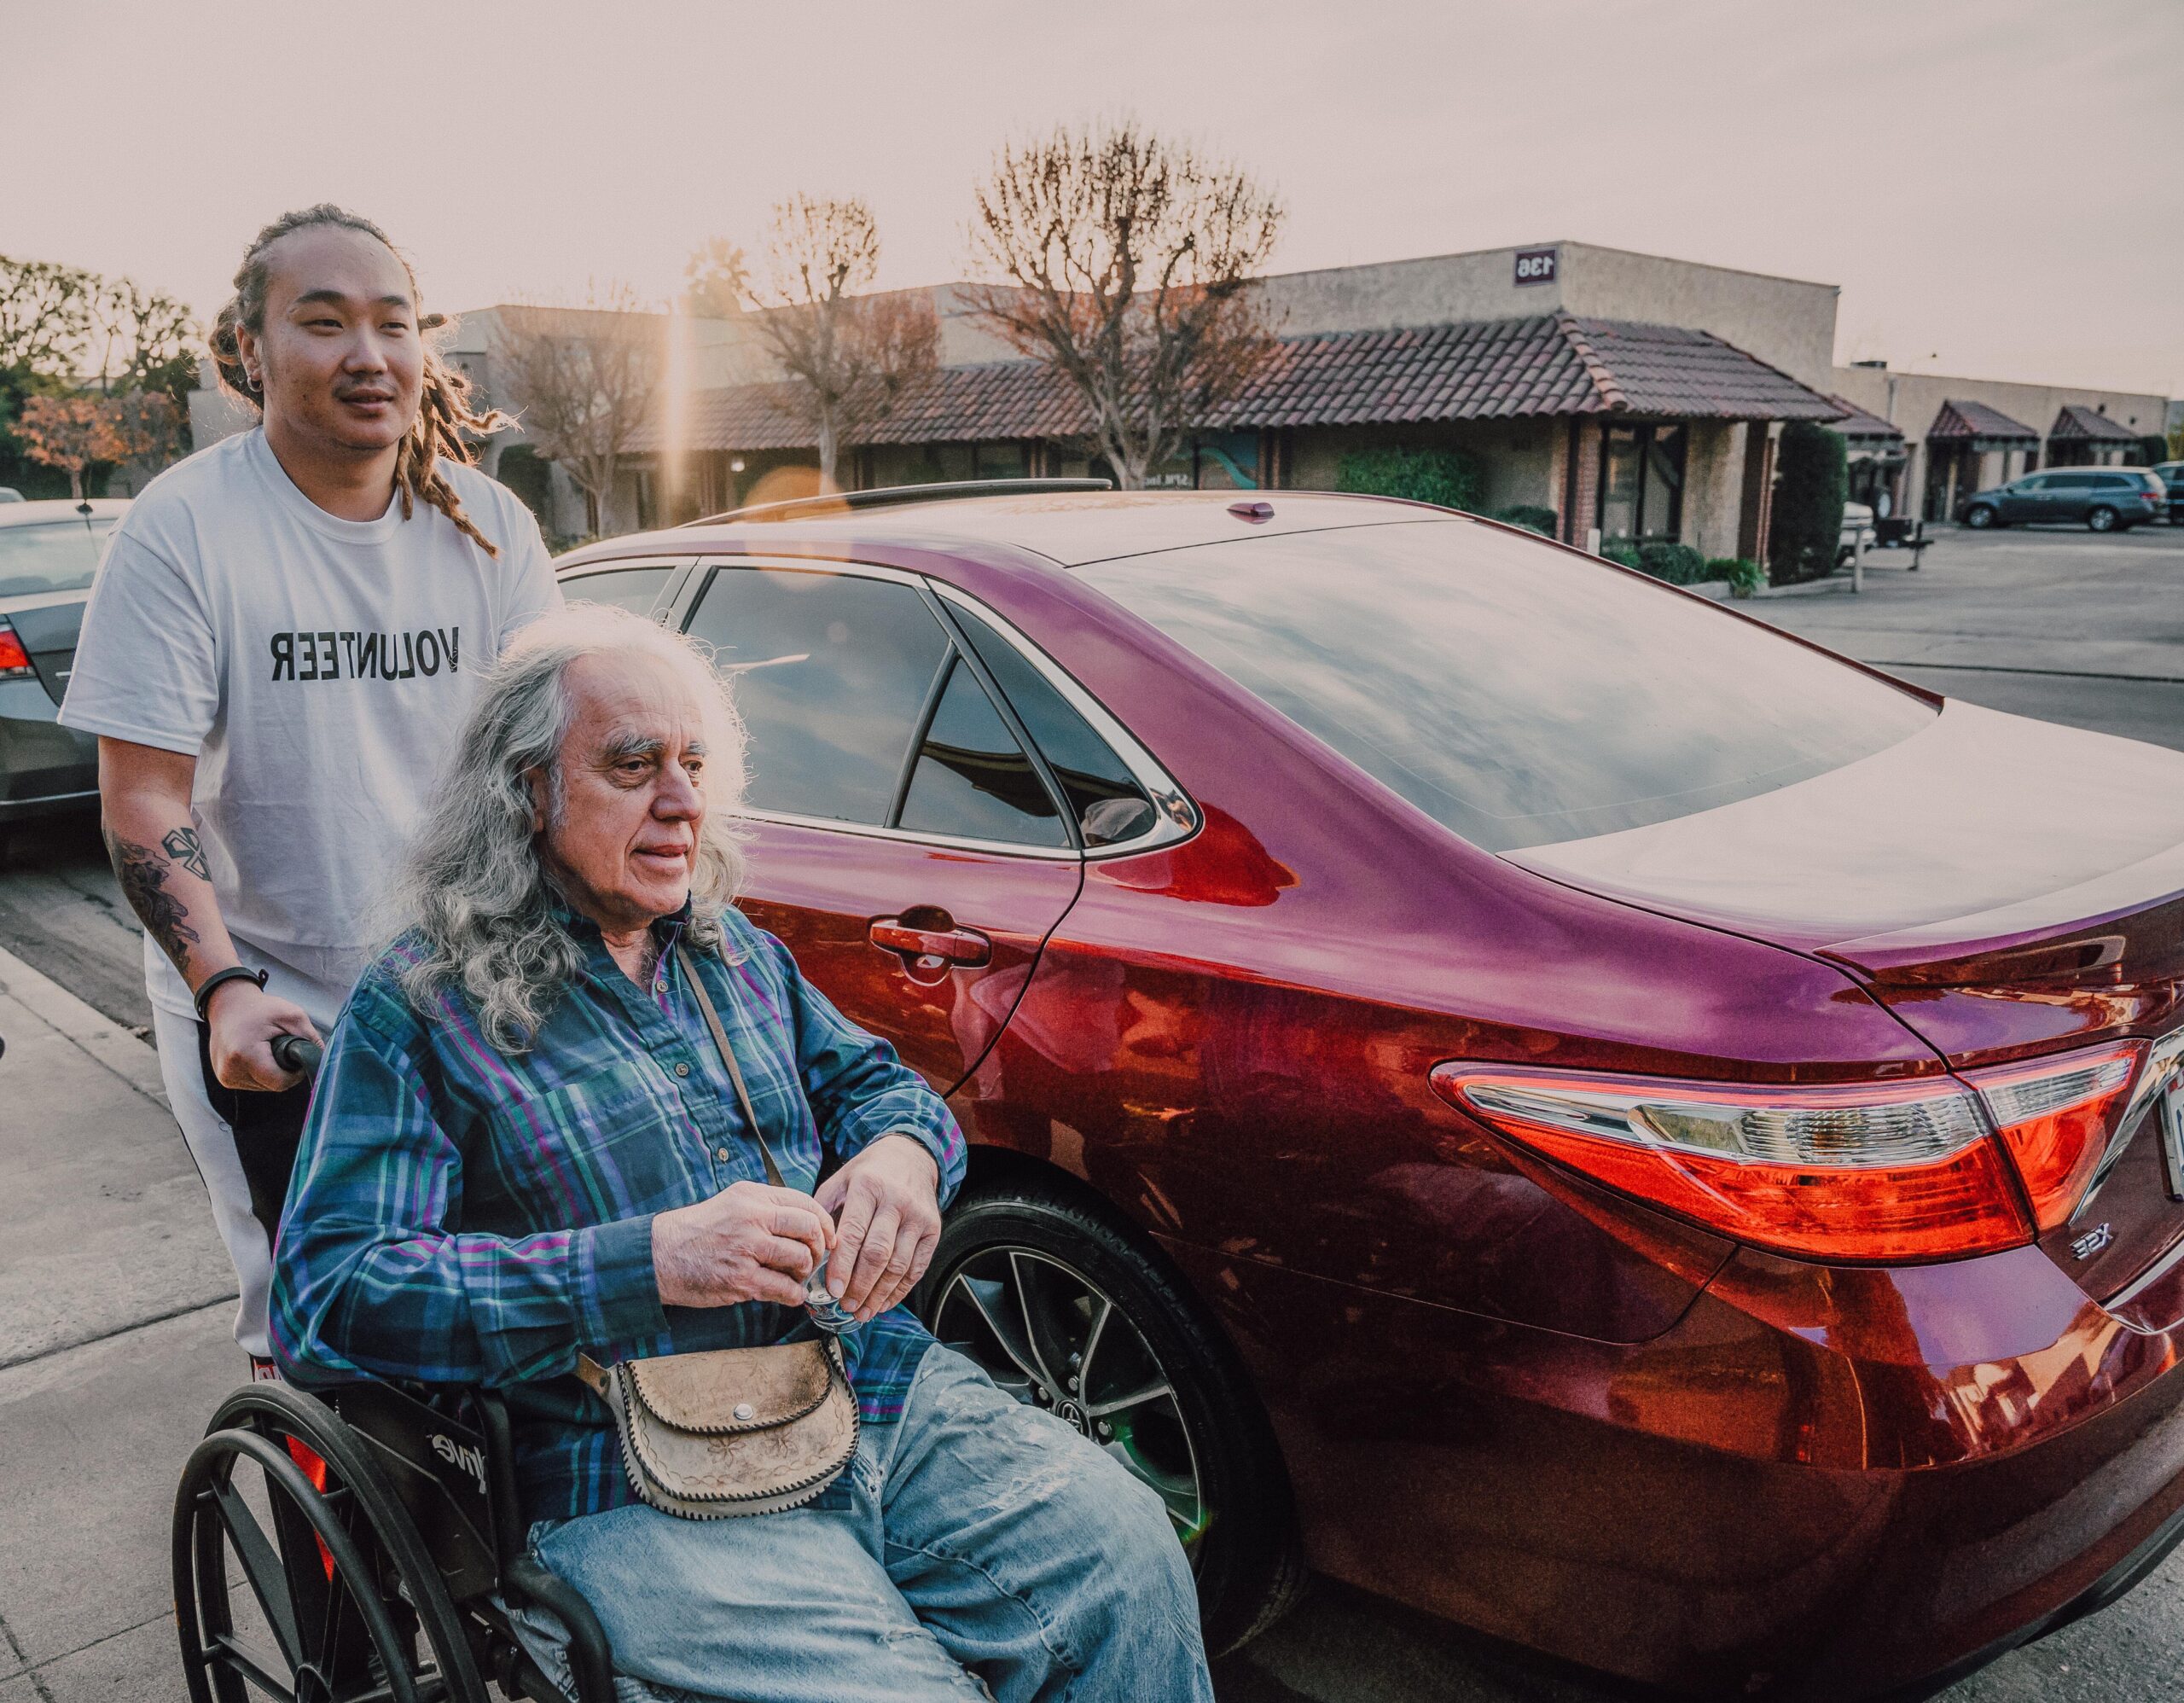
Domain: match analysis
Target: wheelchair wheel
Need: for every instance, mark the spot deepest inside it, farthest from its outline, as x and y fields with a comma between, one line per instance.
x=348, y=1606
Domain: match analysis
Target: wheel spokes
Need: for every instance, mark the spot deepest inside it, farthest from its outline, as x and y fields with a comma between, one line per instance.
x=261, y=1568
x=991, y=1302
x=1059, y=1335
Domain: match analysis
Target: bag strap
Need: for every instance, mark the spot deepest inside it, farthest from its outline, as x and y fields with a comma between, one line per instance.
x=728, y=1057
x=594, y=1374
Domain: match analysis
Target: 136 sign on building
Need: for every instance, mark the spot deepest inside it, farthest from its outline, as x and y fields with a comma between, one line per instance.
x=1535, y=265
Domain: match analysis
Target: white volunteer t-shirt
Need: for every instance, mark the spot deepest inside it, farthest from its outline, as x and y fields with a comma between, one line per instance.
x=318, y=670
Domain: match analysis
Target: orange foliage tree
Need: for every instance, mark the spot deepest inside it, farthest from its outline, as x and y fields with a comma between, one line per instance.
x=71, y=433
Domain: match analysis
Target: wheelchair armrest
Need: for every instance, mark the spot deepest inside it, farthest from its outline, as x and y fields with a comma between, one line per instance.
x=591, y=1660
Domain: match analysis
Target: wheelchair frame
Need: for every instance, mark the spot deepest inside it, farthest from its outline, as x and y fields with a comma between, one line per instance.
x=395, y=1525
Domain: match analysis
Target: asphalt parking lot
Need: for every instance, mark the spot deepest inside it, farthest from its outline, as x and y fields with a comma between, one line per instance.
x=114, y=1294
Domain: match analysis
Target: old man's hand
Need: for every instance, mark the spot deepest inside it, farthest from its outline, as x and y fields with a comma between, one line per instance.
x=750, y=1242
x=887, y=1202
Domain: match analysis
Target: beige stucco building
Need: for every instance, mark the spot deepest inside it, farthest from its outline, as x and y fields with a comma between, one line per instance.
x=1626, y=395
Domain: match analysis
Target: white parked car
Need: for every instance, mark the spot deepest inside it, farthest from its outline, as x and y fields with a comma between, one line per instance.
x=1857, y=530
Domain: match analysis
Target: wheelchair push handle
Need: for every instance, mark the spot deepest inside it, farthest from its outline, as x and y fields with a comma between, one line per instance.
x=297, y=1053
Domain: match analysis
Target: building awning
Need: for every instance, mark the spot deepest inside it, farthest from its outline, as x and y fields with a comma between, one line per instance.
x=1864, y=431
x=1979, y=426
x=2087, y=426
x=1549, y=367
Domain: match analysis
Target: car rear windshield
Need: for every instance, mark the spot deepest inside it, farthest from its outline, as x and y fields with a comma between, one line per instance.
x=1517, y=692
x=55, y=556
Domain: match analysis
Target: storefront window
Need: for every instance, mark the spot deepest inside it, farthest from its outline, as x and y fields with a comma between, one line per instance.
x=1641, y=481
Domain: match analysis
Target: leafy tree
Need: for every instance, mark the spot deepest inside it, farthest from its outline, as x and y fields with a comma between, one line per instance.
x=848, y=356
x=1812, y=482
x=65, y=432
x=1124, y=262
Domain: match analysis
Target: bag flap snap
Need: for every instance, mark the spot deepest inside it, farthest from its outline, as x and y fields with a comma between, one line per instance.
x=731, y=1390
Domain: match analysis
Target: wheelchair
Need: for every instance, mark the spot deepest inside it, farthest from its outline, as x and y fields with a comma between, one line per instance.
x=395, y=1555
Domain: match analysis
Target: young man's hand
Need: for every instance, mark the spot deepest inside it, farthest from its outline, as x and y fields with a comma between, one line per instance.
x=750, y=1242
x=887, y=1202
x=245, y=1021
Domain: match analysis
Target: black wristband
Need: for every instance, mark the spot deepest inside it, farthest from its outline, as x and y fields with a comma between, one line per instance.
x=233, y=972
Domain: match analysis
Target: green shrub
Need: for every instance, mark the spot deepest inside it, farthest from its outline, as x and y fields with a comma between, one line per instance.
x=1447, y=477
x=1624, y=552
x=1744, y=576
x=1529, y=515
x=1812, y=482
x=1678, y=564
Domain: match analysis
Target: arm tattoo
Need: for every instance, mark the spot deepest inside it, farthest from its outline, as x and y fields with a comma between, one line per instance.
x=181, y=844
x=142, y=874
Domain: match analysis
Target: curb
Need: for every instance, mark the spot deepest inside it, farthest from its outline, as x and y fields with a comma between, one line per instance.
x=136, y=1062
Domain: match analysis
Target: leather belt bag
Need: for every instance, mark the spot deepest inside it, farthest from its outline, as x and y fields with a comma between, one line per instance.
x=731, y=1431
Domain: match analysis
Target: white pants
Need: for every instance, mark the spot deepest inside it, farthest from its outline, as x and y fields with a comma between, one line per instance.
x=213, y=1145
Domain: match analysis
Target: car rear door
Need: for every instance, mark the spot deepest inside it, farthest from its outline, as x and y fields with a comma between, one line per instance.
x=2068, y=497
x=905, y=843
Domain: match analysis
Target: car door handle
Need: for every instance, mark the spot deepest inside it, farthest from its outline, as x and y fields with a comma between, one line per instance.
x=964, y=946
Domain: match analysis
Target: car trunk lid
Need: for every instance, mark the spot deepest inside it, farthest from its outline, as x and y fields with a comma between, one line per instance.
x=2007, y=887
x=47, y=625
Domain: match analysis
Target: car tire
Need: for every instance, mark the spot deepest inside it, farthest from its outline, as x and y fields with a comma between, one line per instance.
x=1207, y=1446
x=1979, y=517
x=2101, y=519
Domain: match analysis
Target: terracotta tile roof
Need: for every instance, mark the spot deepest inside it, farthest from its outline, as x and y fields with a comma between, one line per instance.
x=1962, y=422
x=1553, y=365
x=2076, y=425
x=1858, y=426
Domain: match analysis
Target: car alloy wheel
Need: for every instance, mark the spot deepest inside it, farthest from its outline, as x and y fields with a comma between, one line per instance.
x=1066, y=1307
x=1980, y=518
x=2101, y=521
x=1049, y=1335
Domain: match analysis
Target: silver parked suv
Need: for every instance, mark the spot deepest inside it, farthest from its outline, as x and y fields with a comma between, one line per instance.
x=49, y=554
x=2103, y=499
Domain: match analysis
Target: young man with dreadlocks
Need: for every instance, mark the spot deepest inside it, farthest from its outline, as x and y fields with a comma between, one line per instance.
x=287, y=629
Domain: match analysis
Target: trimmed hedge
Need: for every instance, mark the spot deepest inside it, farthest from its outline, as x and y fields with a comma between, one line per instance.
x=1450, y=477
x=1529, y=515
x=1811, y=484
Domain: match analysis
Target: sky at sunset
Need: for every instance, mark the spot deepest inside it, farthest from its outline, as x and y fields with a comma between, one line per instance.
x=1995, y=185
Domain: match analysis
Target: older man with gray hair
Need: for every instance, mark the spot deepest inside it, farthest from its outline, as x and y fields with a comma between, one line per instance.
x=526, y=1157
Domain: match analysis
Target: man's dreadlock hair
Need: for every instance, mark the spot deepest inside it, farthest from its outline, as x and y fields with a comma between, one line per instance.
x=444, y=410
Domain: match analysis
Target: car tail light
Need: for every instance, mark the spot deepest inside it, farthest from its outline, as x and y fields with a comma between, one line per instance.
x=1903, y=1170
x=14, y=659
x=2056, y=1115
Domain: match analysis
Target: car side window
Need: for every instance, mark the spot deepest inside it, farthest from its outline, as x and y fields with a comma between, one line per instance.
x=1103, y=795
x=973, y=779
x=831, y=672
x=634, y=588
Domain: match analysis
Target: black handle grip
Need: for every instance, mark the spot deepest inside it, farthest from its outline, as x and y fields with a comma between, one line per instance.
x=297, y=1053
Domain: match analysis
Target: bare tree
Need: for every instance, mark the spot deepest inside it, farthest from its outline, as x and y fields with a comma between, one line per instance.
x=45, y=315
x=718, y=278
x=583, y=381
x=1125, y=263
x=849, y=356
x=140, y=340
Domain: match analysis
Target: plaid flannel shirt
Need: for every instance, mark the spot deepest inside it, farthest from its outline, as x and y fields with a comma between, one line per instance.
x=460, y=1216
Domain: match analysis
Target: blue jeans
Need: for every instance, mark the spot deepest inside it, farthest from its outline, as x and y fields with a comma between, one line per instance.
x=989, y=1550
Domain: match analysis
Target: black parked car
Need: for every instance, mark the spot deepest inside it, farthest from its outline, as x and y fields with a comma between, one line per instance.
x=49, y=553
x=2104, y=499
x=2171, y=473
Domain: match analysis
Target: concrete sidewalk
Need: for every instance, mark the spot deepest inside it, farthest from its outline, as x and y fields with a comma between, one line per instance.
x=116, y=1300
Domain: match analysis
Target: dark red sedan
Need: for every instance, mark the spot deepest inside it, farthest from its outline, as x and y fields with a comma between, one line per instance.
x=1532, y=1092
